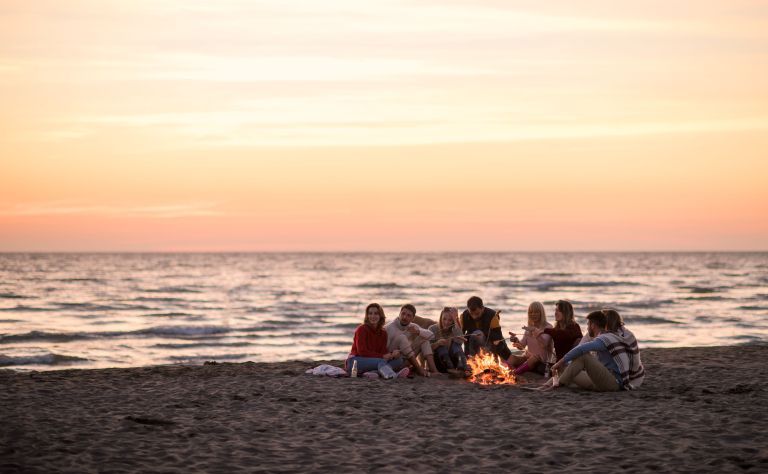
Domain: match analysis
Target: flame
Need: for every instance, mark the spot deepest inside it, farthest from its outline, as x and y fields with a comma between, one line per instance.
x=486, y=370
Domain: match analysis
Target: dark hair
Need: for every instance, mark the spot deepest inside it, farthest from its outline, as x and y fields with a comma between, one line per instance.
x=409, y=307
x=382, y=318
x=566, y=308
x=597, y=317
x=613, y=319
x=474, y=303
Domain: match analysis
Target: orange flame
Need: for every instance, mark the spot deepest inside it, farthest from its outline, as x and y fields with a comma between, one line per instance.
x=486, y=370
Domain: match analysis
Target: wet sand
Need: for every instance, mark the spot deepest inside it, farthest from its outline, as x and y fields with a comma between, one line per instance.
x=700, y=409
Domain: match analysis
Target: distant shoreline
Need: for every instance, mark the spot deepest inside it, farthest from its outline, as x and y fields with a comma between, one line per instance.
x=383, y=252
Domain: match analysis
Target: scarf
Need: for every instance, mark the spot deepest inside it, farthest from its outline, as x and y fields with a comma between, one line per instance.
x=622, y=346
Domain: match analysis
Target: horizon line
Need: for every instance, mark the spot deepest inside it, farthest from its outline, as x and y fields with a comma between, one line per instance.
x=141, y=252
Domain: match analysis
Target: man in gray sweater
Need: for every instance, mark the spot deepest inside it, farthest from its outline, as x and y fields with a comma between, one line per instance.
x=410, y=339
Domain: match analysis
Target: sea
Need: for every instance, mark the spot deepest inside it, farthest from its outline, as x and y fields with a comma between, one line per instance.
x=76, y=310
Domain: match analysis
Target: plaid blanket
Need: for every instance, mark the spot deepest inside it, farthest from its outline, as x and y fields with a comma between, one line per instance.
x=622, y=346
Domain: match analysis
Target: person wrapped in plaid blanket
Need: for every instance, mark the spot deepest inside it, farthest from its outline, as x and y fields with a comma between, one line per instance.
x=616, y=363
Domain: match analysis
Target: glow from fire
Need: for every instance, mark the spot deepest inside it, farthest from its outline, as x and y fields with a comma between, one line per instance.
x=486, y=370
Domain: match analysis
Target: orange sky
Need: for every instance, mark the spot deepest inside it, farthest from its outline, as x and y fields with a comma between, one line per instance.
x=452, y=125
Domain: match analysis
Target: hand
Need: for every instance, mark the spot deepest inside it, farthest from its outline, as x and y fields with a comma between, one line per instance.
x=395, y=354
x=513, y=337
x=518, y=345
x=558, y=366
x=455, y=316
x=413, y=329
x=445, y=342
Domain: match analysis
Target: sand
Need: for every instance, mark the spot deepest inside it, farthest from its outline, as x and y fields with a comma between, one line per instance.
x=700, y=409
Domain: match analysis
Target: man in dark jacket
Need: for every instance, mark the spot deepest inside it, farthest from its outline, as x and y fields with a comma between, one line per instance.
x=483, y=328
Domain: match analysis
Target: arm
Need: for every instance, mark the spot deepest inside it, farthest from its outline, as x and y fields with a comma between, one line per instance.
x=578, y=351
x=494, y=331
x=425, y=333
x=464, y=323
x=457, y=335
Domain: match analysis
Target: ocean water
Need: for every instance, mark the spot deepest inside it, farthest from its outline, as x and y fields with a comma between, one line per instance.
x=122, y=310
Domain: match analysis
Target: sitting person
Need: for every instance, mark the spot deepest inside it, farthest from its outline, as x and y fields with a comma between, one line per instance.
x=622, y=341
x=449, y=356
x=615, y=366
x=613, y=320
x=482, y=328
x=369, y=346
x=538, y=349
x=566, y=333
x=411, y=340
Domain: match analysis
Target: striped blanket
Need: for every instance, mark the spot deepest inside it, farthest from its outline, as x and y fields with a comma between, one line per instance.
x=622, y=346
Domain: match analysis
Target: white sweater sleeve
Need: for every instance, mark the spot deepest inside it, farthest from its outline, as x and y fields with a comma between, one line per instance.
x=425, y=333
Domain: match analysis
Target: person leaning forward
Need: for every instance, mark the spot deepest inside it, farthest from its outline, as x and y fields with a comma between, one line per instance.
x=483, y=328
x=410, y=339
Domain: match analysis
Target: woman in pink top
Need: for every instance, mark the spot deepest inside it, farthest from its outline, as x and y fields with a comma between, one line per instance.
x=538, y=349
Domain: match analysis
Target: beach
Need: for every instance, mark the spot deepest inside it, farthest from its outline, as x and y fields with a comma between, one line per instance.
x=699, y=409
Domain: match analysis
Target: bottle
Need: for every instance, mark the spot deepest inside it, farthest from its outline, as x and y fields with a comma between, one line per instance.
x=354, y=369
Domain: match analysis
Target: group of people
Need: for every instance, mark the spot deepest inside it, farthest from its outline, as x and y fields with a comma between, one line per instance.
x=607, y=358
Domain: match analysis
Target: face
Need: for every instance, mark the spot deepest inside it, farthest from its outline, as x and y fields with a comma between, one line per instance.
x=476, y=313
x=373, y=315
x=535, y=316
x=406, y=316
x=446, y=319
x=558, y=314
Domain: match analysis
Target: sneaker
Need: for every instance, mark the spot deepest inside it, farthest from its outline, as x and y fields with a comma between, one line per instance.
x=386, y=372
x=403, y=373
x=371, y=375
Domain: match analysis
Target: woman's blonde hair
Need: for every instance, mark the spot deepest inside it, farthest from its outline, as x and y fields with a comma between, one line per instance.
x=537, y=307
x=446, y=309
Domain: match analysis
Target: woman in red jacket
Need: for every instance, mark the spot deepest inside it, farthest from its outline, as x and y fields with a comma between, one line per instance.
x=369, y=347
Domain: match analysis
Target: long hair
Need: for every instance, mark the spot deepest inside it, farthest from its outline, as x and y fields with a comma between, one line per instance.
x=382, y=318
x=446, y=309
x=613, y=320
x=537, y=307
x=566, y=308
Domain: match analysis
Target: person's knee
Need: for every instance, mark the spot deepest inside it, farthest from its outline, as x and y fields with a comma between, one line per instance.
x=403, y=345
x=426, y=348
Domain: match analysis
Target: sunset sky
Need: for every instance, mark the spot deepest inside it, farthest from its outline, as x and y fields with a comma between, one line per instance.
x=150, y=125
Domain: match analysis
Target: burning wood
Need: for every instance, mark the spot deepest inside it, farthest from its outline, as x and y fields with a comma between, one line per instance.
x=486, y=370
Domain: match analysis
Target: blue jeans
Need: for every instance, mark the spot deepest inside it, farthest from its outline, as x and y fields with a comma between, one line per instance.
x=372, y=364
x=451, y=357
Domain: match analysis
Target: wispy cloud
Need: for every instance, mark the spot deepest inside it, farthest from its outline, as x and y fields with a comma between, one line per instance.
x=64, y=208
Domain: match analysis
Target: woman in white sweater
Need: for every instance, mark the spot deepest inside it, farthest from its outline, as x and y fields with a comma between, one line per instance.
x=538, y=350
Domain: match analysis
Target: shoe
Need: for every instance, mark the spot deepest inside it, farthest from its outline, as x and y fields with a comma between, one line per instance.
x=371, y=375
x=403, y=373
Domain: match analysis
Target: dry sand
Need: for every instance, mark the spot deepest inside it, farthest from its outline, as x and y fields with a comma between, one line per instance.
x=700, y=409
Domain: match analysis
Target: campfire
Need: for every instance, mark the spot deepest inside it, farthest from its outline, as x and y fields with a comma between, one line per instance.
x=486, y=370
